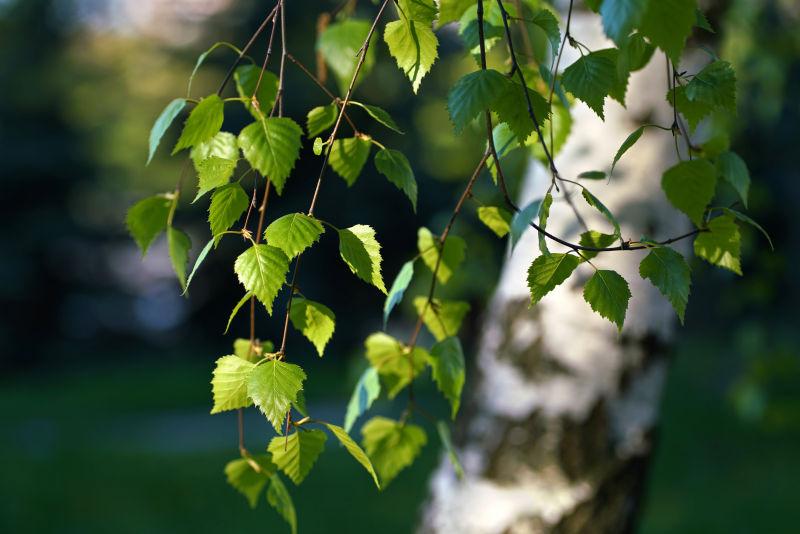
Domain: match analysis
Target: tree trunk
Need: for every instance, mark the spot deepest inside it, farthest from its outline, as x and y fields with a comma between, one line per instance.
x=559, y=427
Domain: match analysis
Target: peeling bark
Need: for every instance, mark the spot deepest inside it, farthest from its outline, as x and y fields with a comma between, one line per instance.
x=560, y=423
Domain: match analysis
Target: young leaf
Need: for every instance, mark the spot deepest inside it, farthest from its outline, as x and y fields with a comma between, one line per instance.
x=148, y=218
x=227, y=205
x=447, y=361
x=162, y=123
x=721, y=244
x=316, y=321
x=241, y=348
x=393, y=361
x=246, y=78
x=667, y=23
x=594, y=202
x=669, y=272
x=380, y=115
x=689, y=186
x=714, y=86
x=626, y=145
x=354, y=450
x=229, y=384
x=198, y=262
x=366, y=391
x=392, y=446
x=293, y=233
x=398, y=289
x=544, y=214
x=249, y=475
x=262, y=269
x=298, y=453
x=452, y=254
x=278, y=497
x=203, y=123
x=318, y=146
x=348, y=157
x=620, y=17
x=745, y=219
x=447, y=443
x=473, y=94
x=321, y=118
x=733, y=170
x=595, y=239
x=362, y=253
x=442, y=317
x=593, y=77
x=522, y=219
x=213, y=172
x=549, y=271
x=496, y=219
x=179, y=245
x=413, y=45
x=340, y=45
x=223, y=146
x=608, y=294
x=272, y=146
x=273, y=386
x=395, y=167
x=245, y=298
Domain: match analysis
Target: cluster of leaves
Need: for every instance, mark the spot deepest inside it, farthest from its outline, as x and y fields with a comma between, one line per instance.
x=527, y=118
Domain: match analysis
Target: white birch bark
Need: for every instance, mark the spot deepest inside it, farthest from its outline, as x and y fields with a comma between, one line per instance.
x=559, y=427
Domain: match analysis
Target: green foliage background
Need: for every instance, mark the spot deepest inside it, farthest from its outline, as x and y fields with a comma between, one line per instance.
x=104, y=389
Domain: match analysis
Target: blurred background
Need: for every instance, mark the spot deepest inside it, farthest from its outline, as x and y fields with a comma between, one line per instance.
x=104, y=391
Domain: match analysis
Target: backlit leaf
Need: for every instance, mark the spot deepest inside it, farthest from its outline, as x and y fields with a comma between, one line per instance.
x=249, y=475
x=690, y=186
x=314, y=320
x=442, y=317
x=278, y=497
x=296, y=455
x=362, y=253
x=273, y=386
x=228, y=203
x=398, y=289
x=321, y=118
x=348, y=157
x=447, y=361
x=203, y=123
x=229, y=384
x=392, y=446
x=395, y=167
x=354, y=450
x=721, y=244
x=293, y=233
x=394, y=361
x=272, y=146
x=496, y=219
x=246, y=78
x=549, y=271
x=608, y=294
x=262, y=269
x=339, y=45
x=452, y=253
x=366, y=391
x=413, y=45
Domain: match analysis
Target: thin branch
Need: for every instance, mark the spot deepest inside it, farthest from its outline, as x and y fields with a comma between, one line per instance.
x=324, y=89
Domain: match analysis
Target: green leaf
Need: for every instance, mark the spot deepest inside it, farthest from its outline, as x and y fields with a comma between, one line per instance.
x=668, y=23
x=594, y=202
x=366, y=391
x=340, y=45
x=213, y=172
x=278, y=497
x=321, y=118
x=179, y=246
x=469, y=30
x=694, y=112
x=413, y=45
x=223, y=146
x=453, y=253
x=246, y=77
x=293, y=233
x=626, y=145
x=714, y=86
x=549, y=271
x=162, y=123
x=733, y=170
x=203, y=123
x=202, y=57
x=745, y=219
x=380, y=115
x=702, y=22
x=362, y=253
x=668, y=271
x=229, y=384
x=392, y=446
x=690, y=186
x=394, y=361
x=198, y=262
x=447, y=443
x=620, y=17
x=561, y=125
x=522, y=219
x=593, y=77
x=249, y=475
x=442, y=317
x=721, y=244
x=473, y=94
x=241, y=348
x=394, y=165
x=148, y=218
x=608, y=294
x=447, y=361
x=397, y=290
x=273, y=386
x=544, y=214
x=272, y=146
x=314, y=320
x=354, y=450
x=545, y=20
x=451, y=10
x=348, y=157
x=296, y=454
x=634, y=54
x=592, y=175
x=595, y=239
x=227, y=205
x=496, y=219
x=423, y=11
x=262, y=269
x=512, y=108
x=245, y=298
